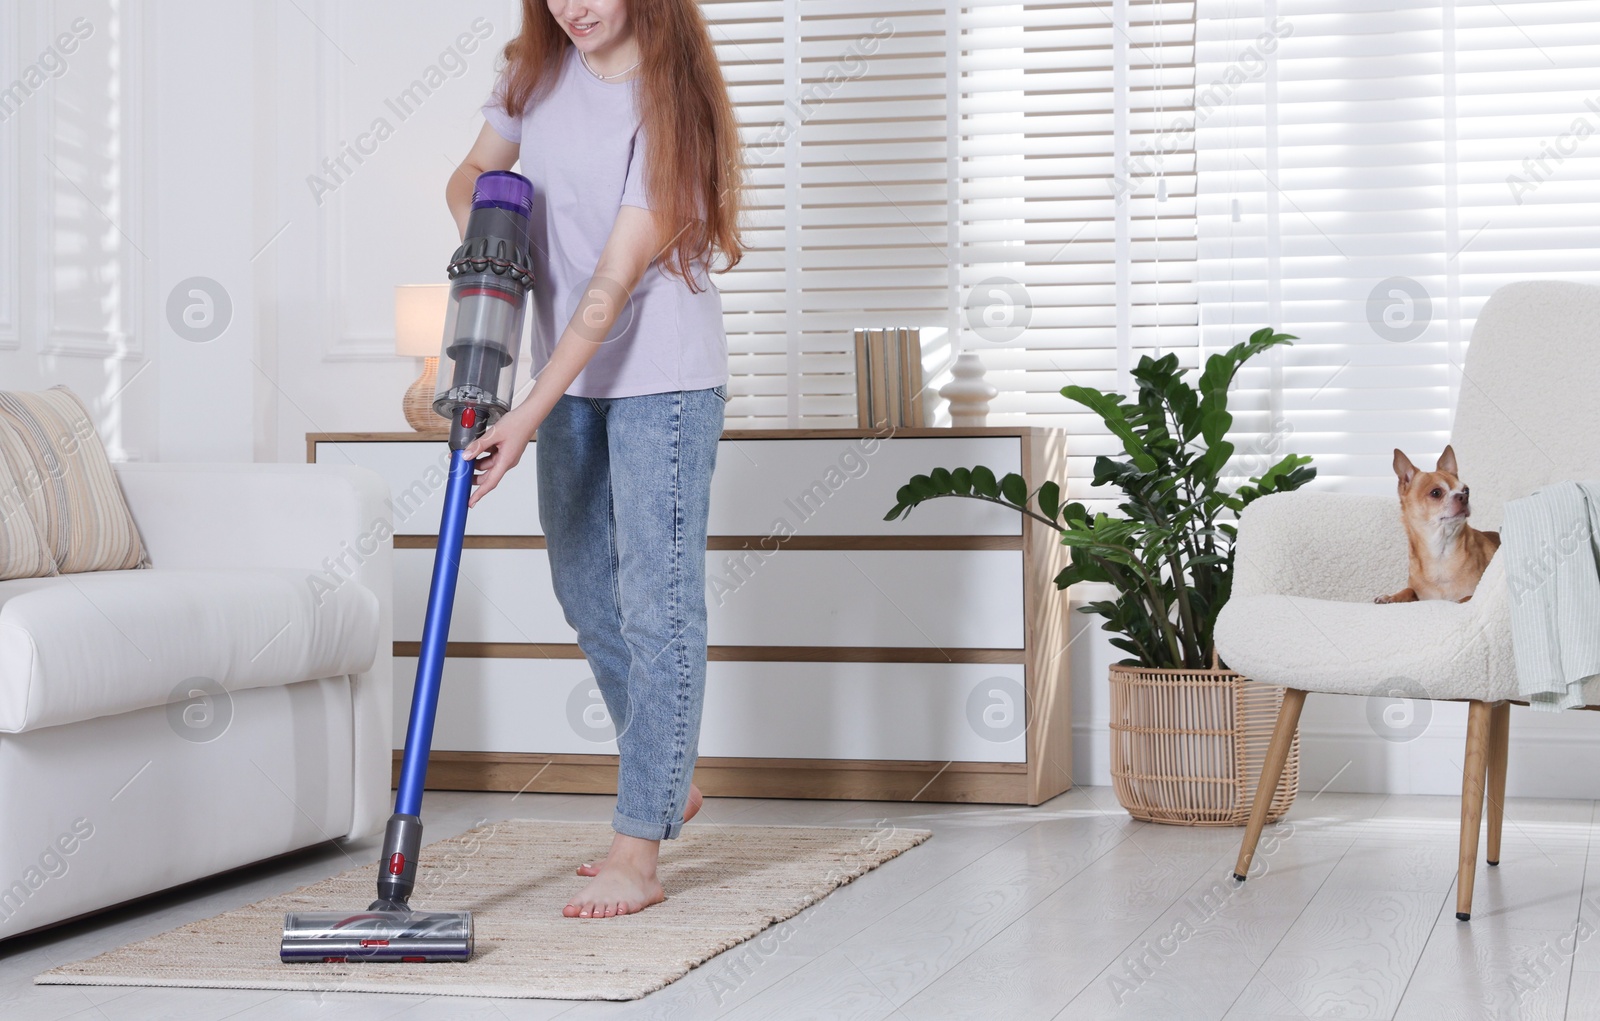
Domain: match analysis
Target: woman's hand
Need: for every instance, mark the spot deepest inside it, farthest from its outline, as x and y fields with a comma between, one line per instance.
x=489, y=152
x=505, y=442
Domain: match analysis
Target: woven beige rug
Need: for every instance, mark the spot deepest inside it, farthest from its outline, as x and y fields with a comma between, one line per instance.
x=724, y=885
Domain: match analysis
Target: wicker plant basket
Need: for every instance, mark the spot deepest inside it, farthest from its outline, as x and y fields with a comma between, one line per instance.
x=1187, y=745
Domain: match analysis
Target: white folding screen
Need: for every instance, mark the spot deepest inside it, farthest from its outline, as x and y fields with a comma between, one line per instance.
x=1368, y=174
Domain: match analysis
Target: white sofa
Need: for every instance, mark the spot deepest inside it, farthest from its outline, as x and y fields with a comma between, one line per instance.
x=270, y=590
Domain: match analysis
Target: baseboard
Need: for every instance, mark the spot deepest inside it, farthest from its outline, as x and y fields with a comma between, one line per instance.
x=865, y=780
x=1345, y=759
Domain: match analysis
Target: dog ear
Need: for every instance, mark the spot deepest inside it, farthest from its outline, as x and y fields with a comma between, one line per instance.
x=1404, y=468
x=1447, y=461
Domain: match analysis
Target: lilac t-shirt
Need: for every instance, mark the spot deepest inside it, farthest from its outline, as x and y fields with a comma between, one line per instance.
x=583, y=149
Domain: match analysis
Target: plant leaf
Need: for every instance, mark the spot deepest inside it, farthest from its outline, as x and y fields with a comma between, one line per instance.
x=1081, y=569
x=1109, y=408
x=1015, y=489
x=1050, y=500
x=983, y=482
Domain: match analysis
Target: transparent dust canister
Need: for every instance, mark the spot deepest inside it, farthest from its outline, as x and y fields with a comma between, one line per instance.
x=490, y=283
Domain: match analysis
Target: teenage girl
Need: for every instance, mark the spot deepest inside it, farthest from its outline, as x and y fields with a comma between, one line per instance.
x=618, y=114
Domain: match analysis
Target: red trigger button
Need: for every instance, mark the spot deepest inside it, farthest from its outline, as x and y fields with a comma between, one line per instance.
x=397, y=863
x=469, y=418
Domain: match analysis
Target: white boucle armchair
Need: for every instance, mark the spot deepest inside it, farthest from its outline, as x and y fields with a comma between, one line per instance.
x=1308, y=564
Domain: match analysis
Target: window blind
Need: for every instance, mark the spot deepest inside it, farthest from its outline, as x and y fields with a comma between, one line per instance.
x=1367, y=176
x=755, y=42
x=982, y=171
x=843, y=109
x=1076, y=181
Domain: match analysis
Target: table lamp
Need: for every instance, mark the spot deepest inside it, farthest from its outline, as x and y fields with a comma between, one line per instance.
x=419, y=313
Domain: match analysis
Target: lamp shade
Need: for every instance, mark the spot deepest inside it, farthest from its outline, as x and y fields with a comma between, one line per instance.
x=419, y=313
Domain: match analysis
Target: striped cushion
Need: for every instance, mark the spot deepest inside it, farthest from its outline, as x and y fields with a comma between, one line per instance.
x=23, y=553
x=67, y=481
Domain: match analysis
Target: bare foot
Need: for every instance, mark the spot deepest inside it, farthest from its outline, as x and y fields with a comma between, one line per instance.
x=696, y=799
x=626, y=884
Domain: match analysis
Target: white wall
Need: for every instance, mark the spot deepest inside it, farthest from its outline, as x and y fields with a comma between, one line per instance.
x=179, y=140
x=356, y=181
x=186, y=139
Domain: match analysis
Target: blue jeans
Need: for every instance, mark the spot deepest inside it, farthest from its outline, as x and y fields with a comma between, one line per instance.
x=624, y=492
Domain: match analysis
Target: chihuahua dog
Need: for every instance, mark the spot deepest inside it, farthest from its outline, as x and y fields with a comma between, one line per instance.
x=1448, y=556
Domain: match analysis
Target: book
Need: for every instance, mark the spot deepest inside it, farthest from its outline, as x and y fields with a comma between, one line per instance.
x=886, y=399
x=911, y=376
x=889, y=377
x=863, y=379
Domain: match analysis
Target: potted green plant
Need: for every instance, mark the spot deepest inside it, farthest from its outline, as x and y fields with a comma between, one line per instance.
x=1169, y=557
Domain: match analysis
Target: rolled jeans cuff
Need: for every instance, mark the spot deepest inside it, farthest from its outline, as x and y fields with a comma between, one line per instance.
x=631, y=827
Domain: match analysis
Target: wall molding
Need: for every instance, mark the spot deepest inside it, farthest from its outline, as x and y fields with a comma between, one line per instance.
x=341, y=343
x=121, y=339
x=10, y=189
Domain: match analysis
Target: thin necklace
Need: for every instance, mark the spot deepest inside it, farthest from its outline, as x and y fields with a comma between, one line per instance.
x=604, y=77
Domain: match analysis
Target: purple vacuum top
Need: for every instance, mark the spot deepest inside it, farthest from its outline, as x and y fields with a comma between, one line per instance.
x=504, y=189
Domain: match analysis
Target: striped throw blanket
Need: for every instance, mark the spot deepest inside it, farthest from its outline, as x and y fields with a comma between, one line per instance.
x=1551, y=542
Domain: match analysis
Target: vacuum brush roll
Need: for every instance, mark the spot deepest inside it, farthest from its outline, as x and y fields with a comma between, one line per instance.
x=389, y=936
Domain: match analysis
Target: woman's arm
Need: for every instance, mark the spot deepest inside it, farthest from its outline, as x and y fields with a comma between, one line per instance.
x=633, y=244
x=489, y=152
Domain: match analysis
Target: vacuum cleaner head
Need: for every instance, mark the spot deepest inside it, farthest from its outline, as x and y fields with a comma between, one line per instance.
x=389, y=929
x=405, y=936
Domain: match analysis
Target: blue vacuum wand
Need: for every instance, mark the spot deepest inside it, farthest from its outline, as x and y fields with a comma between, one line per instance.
x=491, y=277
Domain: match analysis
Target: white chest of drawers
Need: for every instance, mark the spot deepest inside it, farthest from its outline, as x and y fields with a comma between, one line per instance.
x=849, y=656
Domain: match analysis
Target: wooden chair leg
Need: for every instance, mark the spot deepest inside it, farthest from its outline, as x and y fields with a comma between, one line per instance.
x=1499, y=734
x=1473, y=771
x=1271, y=771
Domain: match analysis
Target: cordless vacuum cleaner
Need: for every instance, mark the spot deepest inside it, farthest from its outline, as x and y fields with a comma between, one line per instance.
x=491, y=277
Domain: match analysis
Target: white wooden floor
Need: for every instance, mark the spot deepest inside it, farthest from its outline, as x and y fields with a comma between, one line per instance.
x=1069, y=910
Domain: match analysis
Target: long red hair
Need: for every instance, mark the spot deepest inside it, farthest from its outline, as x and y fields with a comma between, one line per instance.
x=694, y=160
